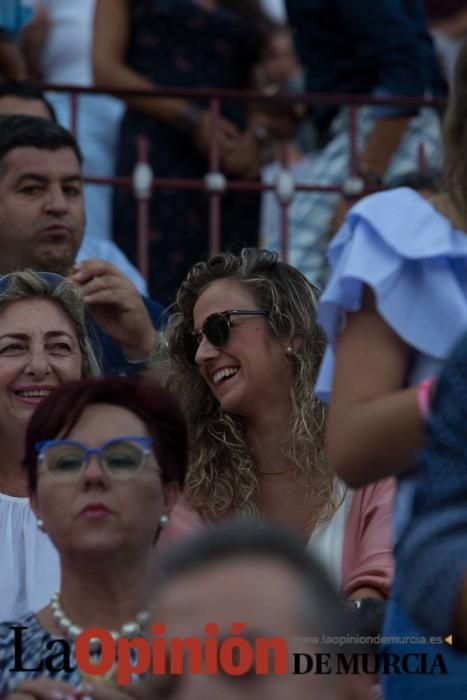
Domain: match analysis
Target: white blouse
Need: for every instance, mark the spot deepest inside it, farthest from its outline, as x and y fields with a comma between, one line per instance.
x=327, y=541
x=29, y=565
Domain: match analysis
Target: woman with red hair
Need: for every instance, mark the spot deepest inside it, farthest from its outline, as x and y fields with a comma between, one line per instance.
x=105, y=460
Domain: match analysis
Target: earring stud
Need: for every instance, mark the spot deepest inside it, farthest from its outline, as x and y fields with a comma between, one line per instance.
x=164, y=519
x=40, y=524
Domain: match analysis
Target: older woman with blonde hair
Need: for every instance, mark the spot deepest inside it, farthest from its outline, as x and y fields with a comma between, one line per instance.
x=245, y=350
x=43, y=344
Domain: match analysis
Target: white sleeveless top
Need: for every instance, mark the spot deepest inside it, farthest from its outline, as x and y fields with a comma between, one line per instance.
x=327, y=541
x=29, y=565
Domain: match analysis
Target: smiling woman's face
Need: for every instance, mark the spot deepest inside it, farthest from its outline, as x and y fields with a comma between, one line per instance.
x=39, y=350
x=250, y=373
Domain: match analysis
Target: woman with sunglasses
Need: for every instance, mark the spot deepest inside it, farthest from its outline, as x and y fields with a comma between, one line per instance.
x=105, y=460
x=245, y=351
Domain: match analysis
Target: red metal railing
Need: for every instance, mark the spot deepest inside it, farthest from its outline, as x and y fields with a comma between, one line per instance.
x=143, y=183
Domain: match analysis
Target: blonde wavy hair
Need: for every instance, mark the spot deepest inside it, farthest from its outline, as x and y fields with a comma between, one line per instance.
x=222, y=476
x=28, y=284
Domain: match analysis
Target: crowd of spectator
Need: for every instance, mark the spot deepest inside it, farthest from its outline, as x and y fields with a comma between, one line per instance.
x=236, y=441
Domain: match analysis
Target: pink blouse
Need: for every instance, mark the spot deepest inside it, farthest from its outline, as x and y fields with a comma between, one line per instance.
x=367, y=559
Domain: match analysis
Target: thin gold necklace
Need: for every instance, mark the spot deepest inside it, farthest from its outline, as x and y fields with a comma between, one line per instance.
x=284, y=471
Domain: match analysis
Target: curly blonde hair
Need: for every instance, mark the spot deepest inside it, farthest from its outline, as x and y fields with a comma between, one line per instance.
x=222, y=477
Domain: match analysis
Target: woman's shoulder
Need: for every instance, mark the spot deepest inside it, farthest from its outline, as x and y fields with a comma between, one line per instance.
x=27, y=622
x=18, y=522
x=26, y=652
x=183, y=523
x=378, y=494
x=14, y=503
x=396, y=199
x=401, y=223
x=25, y=630
x=21, y=646
x=414, y=261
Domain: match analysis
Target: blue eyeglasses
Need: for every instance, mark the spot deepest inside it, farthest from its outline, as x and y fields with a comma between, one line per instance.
x=121, y=458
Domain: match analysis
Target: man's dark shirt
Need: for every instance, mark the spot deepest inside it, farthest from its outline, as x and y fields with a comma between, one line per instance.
x=379, y=47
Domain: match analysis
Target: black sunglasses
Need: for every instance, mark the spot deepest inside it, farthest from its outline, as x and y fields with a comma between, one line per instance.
x=216, y=328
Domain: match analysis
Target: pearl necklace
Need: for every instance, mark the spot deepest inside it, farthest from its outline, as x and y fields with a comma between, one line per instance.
x=129, y=630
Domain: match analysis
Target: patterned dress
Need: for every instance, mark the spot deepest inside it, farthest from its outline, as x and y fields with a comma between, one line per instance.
x=178, y=43
x=23, y=654
x=29, y=651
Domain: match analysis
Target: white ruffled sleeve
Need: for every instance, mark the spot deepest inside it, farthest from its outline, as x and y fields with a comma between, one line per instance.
x=416, y=265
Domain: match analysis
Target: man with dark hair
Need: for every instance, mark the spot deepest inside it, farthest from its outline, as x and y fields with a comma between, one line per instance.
x=39, y=157
x=261, y=577
x=41, y=226
x=23, y=97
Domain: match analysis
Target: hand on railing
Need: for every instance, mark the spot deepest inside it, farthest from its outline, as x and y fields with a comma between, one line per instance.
x=281, y=120
x=282, y=127
x=245, y=159
x=227, y=135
